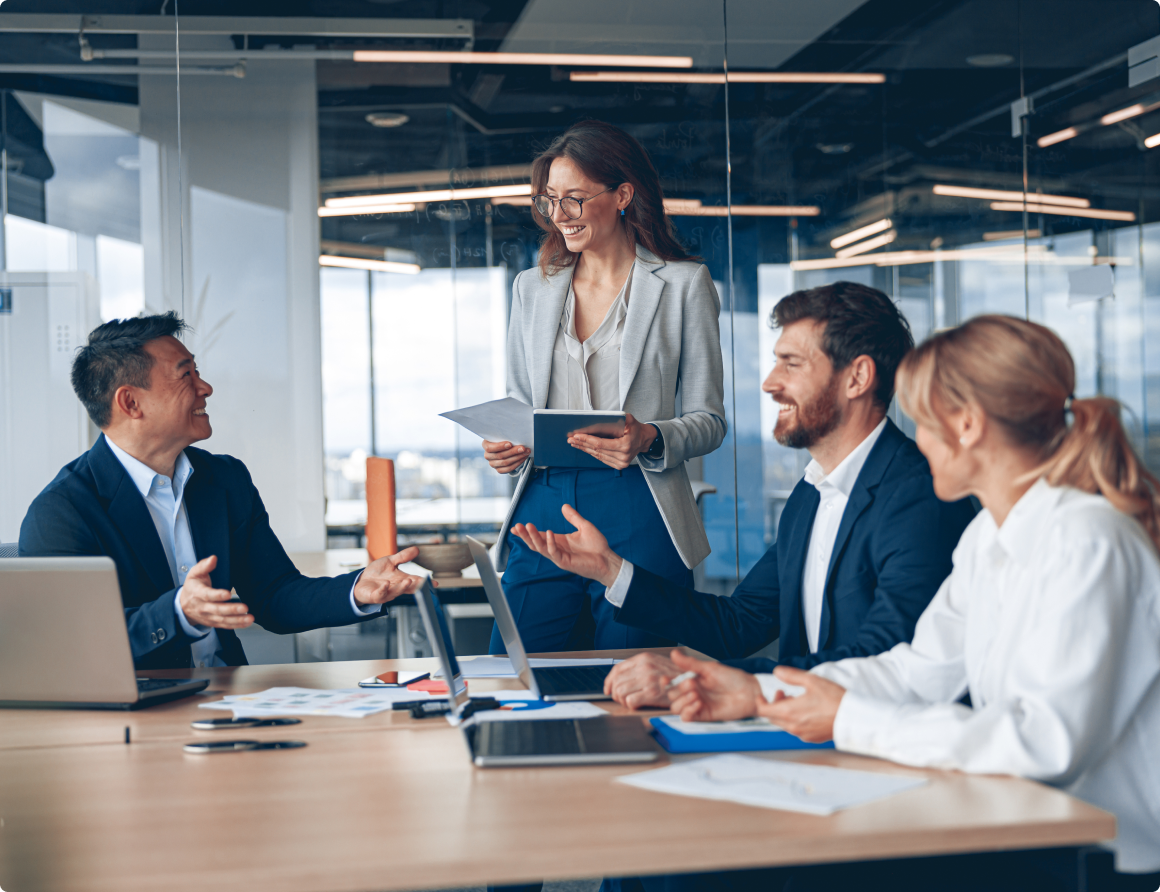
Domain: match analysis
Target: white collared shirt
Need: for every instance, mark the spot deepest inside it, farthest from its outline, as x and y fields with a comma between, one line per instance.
x=165, y=500
x=586, y=375
x=834, y=491
x=1052, y=622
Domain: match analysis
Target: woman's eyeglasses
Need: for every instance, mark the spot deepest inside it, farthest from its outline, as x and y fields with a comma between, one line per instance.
x=572, y=207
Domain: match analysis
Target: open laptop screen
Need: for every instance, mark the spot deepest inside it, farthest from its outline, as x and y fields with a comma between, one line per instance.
x=436, y=624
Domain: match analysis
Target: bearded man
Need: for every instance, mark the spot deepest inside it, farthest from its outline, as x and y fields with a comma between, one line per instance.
x=863, y=543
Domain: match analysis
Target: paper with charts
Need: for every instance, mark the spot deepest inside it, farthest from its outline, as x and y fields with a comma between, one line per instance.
x=348, y=703
x=772, y=783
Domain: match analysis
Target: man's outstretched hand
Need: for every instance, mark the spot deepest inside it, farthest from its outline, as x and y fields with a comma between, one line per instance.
x=584, y=552
x=383, y=581
x=204, y=605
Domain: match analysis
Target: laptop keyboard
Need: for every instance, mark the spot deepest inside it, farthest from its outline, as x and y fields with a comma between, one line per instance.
x=571, y=679
x=528, y=738
x=149, y=685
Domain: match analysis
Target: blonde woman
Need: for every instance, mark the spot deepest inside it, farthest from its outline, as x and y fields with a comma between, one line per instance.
x=1050, y=619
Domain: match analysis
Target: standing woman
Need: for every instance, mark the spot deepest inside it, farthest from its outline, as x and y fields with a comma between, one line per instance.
x=617, y=316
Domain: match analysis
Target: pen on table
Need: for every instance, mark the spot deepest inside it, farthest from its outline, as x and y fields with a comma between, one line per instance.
x=684, y=676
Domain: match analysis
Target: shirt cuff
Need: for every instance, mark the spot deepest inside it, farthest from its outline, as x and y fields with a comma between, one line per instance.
x=771, y=684
x=618, y=591
x=859, y=722
x=194, y=632
x=359, y=610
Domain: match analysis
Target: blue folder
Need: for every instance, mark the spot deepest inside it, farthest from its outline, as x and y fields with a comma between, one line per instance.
x=731, y=742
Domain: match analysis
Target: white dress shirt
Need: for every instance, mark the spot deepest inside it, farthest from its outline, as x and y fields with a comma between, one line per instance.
x=586, y=375
x=1052, y=622
x=165, y=500
x=834, y=489
x=834, y=492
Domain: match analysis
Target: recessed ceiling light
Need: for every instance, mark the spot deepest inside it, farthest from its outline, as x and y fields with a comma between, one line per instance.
x=387, y=119
x=990, y=60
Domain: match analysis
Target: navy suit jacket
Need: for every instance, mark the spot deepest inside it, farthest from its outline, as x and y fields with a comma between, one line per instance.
x=94, y=508
x=892, y=552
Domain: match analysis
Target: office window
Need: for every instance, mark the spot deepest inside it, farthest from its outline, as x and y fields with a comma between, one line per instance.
x=964, y=158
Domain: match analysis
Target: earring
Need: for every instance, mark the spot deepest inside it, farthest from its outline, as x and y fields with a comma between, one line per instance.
x=622, y=212
x=963, y=440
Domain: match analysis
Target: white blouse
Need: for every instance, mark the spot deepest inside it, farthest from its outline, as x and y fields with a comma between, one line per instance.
x=587, y=375
x=1052, y=622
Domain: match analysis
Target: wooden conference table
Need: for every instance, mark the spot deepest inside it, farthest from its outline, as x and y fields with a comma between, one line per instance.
x=387, y=802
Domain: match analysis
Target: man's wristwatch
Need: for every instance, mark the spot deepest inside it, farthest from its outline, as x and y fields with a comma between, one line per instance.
x=657, y=449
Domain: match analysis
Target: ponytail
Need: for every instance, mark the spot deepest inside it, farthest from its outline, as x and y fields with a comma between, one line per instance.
x=1022, y=376
x=1095, y=455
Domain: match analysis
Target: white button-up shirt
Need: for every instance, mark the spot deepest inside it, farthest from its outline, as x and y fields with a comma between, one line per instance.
x=834, y=492
x=586, y=375
x=1052, y=622
x=165, y=500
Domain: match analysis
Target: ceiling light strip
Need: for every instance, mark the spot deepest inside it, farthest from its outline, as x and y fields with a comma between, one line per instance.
x=854, y=235
x=1059, y=136
x=1123, y=114
x=734, y=77
x=453, y=58
x=869, y=245
x=375, y=209
x=745, y=210
x=379, y=266
x=1011, y=253
x=353, y=201
x=1093, y=213
x=1003, y=195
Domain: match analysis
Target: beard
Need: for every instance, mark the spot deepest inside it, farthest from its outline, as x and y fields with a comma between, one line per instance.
x=812, y=421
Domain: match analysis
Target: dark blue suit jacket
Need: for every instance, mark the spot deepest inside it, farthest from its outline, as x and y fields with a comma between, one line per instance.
x=892, y=552
x=94, y=508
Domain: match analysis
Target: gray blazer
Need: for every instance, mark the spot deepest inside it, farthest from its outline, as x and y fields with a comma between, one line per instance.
x=670, y=376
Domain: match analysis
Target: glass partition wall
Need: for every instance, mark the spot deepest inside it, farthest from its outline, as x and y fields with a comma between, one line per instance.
x=339, y=202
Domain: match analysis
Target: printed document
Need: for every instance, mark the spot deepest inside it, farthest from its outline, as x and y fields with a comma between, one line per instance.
x=499, y=420
x=349, y=703
x=772, y=783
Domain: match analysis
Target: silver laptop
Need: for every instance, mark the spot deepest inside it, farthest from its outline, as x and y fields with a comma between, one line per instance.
x=63, y=641
x=511, y=743
x=563, y=683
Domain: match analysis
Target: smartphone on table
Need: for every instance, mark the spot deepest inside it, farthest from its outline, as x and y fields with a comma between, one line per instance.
x=394, y=678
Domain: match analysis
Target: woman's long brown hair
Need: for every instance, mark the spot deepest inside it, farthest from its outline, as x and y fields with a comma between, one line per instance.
x=608, y=155
x=1022, y=376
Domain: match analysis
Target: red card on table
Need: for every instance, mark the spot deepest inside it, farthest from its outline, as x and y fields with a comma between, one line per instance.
x=431, y=686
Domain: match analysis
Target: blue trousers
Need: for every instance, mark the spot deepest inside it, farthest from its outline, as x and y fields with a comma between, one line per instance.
x=559, y=611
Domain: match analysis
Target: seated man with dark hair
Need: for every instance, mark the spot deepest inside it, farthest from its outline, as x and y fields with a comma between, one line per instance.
x=182, y=525
x=863, y=543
